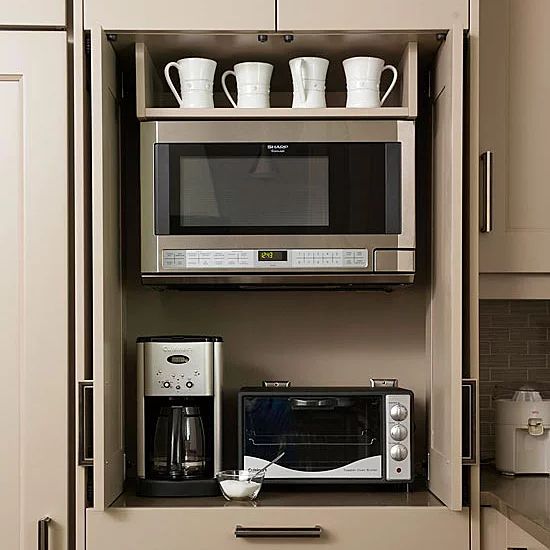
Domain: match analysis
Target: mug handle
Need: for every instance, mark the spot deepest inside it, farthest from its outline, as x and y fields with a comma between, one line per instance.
x=224, y=76
x=169, y=80
x=392, y=85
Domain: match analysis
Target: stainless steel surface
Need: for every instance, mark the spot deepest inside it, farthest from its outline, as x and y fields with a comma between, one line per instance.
x=320, y=280
x=278, y=532
x=486, y=201
x=277, y=130
x=218, y=396
x=276, y=384
x=43, y=535
x=524, y=500
x=84, y=438
x=384, y=383
x=262, y=470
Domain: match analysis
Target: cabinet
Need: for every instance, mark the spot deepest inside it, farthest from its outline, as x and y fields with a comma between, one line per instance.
x=514, y=119
x=178, y=15
x=34, y=289
x=500, y=533
x=26, y=13
x=357, y=15
x=352, y=528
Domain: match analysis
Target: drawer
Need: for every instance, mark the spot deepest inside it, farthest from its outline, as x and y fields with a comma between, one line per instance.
x=345, y=527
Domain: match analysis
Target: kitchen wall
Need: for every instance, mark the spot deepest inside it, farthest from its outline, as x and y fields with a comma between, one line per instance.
x=514, y=347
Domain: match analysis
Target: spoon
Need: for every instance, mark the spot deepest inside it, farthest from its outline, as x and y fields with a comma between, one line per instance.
x=276, y=459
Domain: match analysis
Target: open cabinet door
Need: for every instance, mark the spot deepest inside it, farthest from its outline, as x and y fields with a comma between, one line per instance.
x=107, y=302
x=446, y=295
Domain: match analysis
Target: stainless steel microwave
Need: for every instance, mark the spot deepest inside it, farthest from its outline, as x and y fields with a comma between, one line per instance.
x=286, y=203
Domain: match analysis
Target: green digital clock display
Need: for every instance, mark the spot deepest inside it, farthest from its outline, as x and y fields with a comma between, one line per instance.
x=272, y=255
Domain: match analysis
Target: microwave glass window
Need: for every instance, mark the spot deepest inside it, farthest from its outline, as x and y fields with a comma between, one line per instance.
x=317, y=433
x=295, y=188
x=253, y=191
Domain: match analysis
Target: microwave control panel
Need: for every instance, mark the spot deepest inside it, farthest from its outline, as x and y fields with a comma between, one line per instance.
x=398, y=437
x=250, y=259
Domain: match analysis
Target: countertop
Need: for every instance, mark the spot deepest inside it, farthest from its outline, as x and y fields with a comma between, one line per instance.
x=290, y=497
x=525, y=500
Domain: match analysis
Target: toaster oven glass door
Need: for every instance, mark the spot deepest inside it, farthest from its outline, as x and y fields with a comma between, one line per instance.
x=344, y=188
x=323, y=437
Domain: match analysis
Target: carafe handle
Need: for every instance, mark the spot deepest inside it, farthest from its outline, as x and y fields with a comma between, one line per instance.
x=224, y=76
x=392, y=85
x=170, y=83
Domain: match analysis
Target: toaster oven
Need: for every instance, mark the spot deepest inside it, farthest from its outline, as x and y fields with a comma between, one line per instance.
x=283, y=203
x=329, y=435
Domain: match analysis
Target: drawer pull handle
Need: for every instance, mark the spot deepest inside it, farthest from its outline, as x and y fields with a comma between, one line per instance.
x=278, y=532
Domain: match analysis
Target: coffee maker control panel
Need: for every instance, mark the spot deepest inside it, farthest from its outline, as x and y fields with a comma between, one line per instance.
x=178, y=369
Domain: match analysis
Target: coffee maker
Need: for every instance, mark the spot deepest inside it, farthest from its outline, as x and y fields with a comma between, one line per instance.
x=179, y=382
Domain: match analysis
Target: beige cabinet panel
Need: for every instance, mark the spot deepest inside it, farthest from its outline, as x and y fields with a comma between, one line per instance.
x=180, y=15
x=107, y=316
x=493, y=530
x=514, y=121
x=34, y=289
x=25, y=13
x=347, y=15
x=445, y=314
x=349, y=528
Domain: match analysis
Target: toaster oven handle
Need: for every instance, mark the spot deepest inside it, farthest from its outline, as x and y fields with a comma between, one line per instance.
x=278, y=532
x=325, y=403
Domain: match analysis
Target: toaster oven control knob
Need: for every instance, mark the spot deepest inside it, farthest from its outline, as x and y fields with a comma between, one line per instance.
x=166, y=384
x=398, y=432
x=398, y=412
x=398, y=452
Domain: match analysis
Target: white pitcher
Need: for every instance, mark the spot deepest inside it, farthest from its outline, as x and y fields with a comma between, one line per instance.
x=253, y=82
x=308, y=80
x=363, y=81
x=196, y=81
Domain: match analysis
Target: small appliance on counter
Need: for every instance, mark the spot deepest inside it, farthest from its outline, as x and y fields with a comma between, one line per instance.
x=329, y=435
x=179, y=415
x=523, y=431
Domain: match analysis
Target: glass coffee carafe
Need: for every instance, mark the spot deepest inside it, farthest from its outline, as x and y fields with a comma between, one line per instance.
x=179, y=448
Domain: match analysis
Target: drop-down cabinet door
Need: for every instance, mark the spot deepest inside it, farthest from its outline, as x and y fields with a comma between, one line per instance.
x=179, y=15
x=34, y=290
x=374, y=15
x=514, y=121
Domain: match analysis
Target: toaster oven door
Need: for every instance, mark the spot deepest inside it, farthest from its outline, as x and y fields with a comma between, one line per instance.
x=324, y=437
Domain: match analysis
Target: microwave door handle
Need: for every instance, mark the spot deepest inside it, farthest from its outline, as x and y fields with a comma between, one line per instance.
x=299, y=403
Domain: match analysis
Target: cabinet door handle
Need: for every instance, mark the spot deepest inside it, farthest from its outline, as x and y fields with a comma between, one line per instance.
x=277, y=532
x=517, y=548
x=85, y=424
x=43, y=539
x=486, y=199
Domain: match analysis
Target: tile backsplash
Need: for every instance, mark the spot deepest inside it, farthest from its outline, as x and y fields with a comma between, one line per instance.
x=514, y=346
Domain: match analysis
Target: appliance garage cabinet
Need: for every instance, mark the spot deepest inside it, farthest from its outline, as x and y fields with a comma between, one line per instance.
x=515, y=226
x=429, y=312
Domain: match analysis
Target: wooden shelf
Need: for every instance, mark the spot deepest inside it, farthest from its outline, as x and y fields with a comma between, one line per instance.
x=167, y=113
x=154, y=103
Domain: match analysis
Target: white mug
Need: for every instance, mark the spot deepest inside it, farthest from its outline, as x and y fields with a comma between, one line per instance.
x=363, y=81
x=253, y=81
x=308, y=80
x=196, y=81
